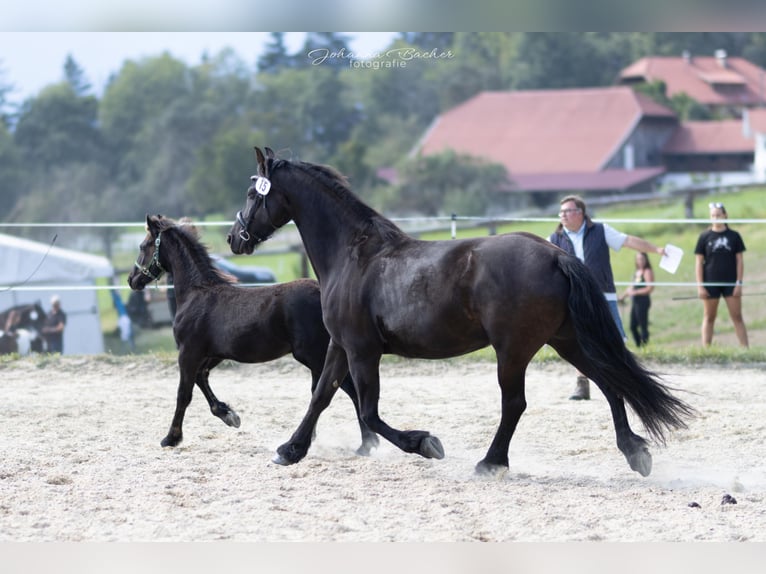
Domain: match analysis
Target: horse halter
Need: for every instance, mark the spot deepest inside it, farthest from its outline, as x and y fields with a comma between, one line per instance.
x=244, y=235
x=154, y=270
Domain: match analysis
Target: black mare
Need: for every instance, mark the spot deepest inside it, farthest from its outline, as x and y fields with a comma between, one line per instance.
x=217, y=320
x=385, y=292
x=21, y=329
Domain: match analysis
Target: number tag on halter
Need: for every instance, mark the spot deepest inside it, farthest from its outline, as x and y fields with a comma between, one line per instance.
x=262, y=185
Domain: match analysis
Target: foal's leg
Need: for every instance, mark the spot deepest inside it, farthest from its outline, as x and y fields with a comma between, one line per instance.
x=366, y=375
x=511, y=373
x=335, y=368
x=218, y=408
x=189, y=366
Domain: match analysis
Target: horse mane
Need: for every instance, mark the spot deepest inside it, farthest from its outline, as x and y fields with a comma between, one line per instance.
x=338, y=184
x=187, y=237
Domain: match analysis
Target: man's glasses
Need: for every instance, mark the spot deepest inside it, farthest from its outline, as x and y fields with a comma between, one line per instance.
x=716, y=205
x=568, y=211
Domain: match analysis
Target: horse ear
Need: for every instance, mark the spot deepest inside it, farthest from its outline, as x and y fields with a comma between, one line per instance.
x=260, y=158
x=269, y=153
x=152, y=224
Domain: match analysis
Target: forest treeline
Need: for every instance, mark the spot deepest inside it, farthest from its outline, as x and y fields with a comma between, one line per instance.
x=173, y=138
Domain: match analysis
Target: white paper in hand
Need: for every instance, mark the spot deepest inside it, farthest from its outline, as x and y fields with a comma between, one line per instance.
x=672, y=258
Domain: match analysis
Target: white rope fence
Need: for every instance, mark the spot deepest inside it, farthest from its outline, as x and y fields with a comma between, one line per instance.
x=452, y=220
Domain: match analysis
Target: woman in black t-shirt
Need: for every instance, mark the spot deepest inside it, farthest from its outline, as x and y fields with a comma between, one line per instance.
x=719, y=268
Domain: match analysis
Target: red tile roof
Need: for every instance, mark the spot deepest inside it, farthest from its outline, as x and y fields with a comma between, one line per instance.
x=609, y=179
x=704, y=79
x=723, y=136
x=542, y=131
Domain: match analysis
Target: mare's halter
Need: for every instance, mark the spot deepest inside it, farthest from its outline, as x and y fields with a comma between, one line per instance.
x=154, y=270
x=262, y=186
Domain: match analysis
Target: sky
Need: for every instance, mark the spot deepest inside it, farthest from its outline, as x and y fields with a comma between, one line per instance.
x=30, y=61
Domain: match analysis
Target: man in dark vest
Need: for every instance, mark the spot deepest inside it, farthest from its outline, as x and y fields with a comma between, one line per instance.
x=590, y=242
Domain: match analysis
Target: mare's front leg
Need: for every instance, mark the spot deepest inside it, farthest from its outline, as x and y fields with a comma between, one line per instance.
x=335, y=368
x=218, y=408
x=365, y=371
x=189, y=368
x=369, y=438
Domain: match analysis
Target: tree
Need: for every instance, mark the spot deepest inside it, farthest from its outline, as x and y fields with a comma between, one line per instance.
x=445, y=183
x=429, y=40
x=75, y=77
x=219, y=177
x=684, y=106
x=548, y=60
x=482, y=61
x=5, y=89
x=275, y=56
x=305, y=110
x=58, y=127
x=11, y=174
x=329, y=47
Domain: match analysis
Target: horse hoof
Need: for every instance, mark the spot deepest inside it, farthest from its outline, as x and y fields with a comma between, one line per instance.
x=282, y=461
x=367, y=445
x=641, y=462
x=491, y=470
x=363, y=450
x=170, y=441
x=431, y=447
x=289, y=453
x=232, y=419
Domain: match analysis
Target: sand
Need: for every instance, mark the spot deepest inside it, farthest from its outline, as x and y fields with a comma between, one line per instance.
x=80, y=459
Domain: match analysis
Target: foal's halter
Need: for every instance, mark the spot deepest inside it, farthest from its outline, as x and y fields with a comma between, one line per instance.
x=244, y=235
x=154, y=270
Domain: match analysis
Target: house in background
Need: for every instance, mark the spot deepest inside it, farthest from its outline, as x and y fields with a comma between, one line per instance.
x=596, y=140
x=725, y=85
x=717, y=153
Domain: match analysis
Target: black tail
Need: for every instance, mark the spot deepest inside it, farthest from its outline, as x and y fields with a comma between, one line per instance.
x=610, y=363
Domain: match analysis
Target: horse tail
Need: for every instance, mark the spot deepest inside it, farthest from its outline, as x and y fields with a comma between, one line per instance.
x=610, y=363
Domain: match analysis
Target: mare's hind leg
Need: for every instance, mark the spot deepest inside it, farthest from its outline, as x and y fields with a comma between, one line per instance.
x=632, y=446
x=335, y=368
x=218, y=408
x=189, y=368
x=510, y=375
x=366, y=378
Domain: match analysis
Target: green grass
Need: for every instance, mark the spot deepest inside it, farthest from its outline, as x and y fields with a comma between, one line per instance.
x=674, y=324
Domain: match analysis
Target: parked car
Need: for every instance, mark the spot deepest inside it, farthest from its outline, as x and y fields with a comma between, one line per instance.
x=247, y=275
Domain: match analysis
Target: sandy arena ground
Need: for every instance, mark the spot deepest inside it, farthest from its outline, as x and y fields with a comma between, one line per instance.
x=80, y=459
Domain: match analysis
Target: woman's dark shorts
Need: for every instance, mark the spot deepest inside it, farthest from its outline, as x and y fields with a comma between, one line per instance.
x=715, y=291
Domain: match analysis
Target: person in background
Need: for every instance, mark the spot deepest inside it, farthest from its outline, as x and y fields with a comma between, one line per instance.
x=53, y=328
x=124, y=323
x=639, y=293
x=719, y=268
x=590, y=242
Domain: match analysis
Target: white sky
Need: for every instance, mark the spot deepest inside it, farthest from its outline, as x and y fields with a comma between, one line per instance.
x=30, y=61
